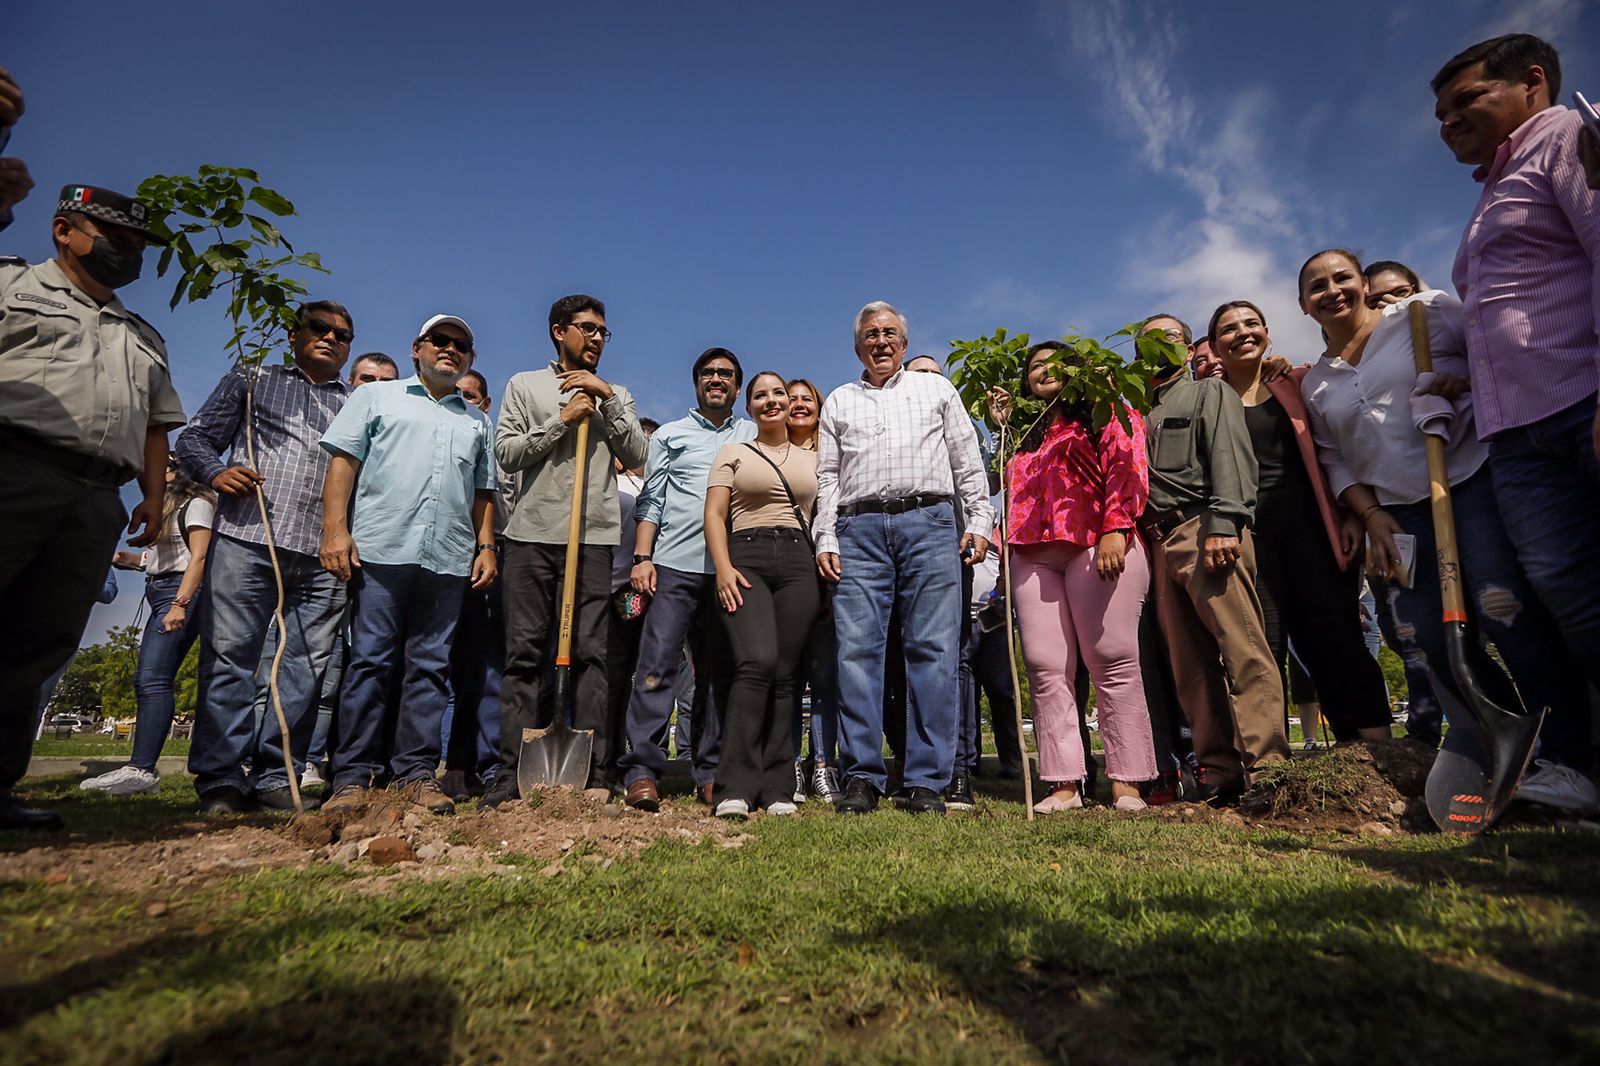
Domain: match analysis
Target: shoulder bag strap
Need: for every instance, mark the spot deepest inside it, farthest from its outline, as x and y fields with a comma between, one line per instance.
x=794, y=505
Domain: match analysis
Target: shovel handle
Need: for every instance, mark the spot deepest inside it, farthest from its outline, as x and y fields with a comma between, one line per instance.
x=1444, y=519
x=569, y=579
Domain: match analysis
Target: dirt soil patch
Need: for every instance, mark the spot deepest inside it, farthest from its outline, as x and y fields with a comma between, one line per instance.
x=562, y=832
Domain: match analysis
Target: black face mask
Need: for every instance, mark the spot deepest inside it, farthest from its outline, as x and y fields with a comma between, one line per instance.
x=111, y=264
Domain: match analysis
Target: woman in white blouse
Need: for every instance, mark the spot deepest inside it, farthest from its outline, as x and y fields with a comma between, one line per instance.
x=1360, y=399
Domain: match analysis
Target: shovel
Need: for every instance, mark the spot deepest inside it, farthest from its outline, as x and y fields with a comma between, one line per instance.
x=1474, y=778
x=559, y=754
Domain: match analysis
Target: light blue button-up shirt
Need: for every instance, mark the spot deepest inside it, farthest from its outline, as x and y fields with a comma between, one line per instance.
x=674, y=494
x=422, y=463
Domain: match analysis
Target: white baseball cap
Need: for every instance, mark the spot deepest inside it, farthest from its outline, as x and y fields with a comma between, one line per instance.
x=439, y=320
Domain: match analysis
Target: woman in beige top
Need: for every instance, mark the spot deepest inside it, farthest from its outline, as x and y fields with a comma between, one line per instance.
x=767, y=585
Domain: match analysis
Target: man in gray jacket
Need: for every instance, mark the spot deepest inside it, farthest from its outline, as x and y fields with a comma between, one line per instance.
x=1197, y=524
x=536, y=441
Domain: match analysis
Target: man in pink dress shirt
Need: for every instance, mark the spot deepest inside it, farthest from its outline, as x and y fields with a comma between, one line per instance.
x=1528, y=272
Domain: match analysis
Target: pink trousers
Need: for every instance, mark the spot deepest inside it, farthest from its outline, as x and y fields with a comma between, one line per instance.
x=1064, y=608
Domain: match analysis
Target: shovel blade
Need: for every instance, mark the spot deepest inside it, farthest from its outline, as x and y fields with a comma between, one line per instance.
x=558, y=755
x=1475, y=779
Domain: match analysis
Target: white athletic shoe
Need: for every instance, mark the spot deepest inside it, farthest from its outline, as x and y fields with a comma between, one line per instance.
x=1555, y=785
x=781, y=808
x=123, y=781
x=312, y=778
x=733, y=809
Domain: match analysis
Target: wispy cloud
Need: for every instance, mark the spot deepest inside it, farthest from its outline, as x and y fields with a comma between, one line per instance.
x=1554, y=20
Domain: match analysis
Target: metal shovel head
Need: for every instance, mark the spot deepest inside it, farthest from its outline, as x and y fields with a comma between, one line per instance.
x=555, y=755
x=1474, y=779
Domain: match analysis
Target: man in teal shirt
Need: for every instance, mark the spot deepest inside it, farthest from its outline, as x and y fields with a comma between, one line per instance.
x=423, y=520
x=671, y=565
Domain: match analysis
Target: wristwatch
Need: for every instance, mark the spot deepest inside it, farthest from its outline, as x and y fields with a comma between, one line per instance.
x=637, y=559
x=182, y=601
x=485, y=548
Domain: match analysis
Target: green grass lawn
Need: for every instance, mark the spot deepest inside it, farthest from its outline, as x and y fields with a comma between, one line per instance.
x=974, y=938
x=99, y=746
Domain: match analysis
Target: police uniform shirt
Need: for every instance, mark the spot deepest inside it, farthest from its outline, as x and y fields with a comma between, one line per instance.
x=83, y=377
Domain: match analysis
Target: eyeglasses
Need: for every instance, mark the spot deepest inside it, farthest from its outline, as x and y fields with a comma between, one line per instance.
x=590, y=330
x=318, y=327
x=872, y=335
x=442, y=341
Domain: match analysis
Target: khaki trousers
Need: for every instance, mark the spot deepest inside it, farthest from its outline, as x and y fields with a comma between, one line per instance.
x=1228, y=684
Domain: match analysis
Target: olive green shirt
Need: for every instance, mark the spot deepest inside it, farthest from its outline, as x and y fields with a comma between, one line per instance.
x=540, y=451
x=1200, y=454
x=83, y=377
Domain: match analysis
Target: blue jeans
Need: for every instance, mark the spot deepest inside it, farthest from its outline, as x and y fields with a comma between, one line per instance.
x=403, y=620
x=677, y=605
x=477, y=660
x=160, y=655
x=911, y=559
x=239, y=597
x=1501, y=605
x=1547, y=485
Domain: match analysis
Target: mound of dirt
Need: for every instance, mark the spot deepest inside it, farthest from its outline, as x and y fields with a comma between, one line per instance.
x=1372, y=788
x=565, y=832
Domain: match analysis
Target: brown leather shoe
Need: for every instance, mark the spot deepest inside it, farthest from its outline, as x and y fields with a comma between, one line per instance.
x=643, y=796
x=703, y=793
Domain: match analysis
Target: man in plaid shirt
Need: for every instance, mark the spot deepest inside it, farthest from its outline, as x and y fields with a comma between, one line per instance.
x=897, y=451
x=292, y=406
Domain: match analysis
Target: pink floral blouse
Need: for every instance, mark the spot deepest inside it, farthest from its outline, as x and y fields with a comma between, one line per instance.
x=1068, y=490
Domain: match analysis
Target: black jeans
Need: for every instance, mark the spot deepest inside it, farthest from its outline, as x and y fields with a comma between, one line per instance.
x=1306, y=596
x=532, y=581
x=622, y=655
x=767, y=635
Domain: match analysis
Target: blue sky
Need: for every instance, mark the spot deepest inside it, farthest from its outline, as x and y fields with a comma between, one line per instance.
x=750, y=174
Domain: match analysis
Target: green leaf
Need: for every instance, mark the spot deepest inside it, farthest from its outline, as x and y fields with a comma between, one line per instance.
x=271, y=200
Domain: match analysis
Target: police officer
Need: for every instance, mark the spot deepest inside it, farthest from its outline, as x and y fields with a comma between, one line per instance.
x=85, y=405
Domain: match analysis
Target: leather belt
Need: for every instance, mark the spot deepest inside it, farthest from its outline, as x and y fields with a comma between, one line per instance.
x=897, y=505
x=1158, y=527
x=63, y=460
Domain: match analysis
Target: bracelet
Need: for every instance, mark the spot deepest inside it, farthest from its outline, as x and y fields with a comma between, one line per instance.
x=485, y=548
x=1368, y=512
x=182, y=601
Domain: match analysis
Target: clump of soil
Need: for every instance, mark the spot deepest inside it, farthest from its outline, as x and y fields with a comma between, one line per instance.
x=1373, y=788
x=564, y=832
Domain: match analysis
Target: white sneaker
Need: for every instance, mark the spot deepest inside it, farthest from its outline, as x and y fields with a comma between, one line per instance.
x=312, y=778
x=1555, y=785
x=733, y=809
x=781, y=808
x=123, y=781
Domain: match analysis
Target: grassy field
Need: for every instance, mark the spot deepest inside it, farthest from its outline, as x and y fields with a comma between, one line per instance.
x=981, y=937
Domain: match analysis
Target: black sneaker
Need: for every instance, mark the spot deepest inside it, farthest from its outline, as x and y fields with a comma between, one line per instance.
x=958, y=797
x=859, y=797
x=502, y=790
x=920, y=801
x=281, y=799
x=224, y=800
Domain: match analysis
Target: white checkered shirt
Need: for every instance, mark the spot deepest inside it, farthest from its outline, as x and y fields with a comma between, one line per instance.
x=911, y=437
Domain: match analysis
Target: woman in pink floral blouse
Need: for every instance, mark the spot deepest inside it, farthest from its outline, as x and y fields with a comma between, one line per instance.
x=1079, y=577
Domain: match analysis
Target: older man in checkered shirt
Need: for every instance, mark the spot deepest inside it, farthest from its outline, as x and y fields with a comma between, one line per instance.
x=897, y=453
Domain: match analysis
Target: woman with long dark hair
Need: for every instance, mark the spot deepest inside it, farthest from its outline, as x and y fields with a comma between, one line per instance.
x=1079, y=577
x=819, y=669
x=1307, y=547
x=1360, y=398
x=174, y=569
x=759, y=501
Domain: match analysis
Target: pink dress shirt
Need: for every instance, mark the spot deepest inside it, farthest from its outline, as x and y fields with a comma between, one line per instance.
x=1528, y=271
x=1068, y=490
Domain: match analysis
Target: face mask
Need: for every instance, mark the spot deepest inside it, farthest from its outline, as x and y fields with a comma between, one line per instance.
x=111, y=264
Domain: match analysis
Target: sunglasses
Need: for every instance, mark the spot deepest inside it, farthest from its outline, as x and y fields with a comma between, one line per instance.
x=725, y=373
x=442, y=341
x=318, y=327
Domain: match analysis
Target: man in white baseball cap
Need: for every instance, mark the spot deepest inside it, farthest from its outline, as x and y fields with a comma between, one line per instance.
x=421, y=520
